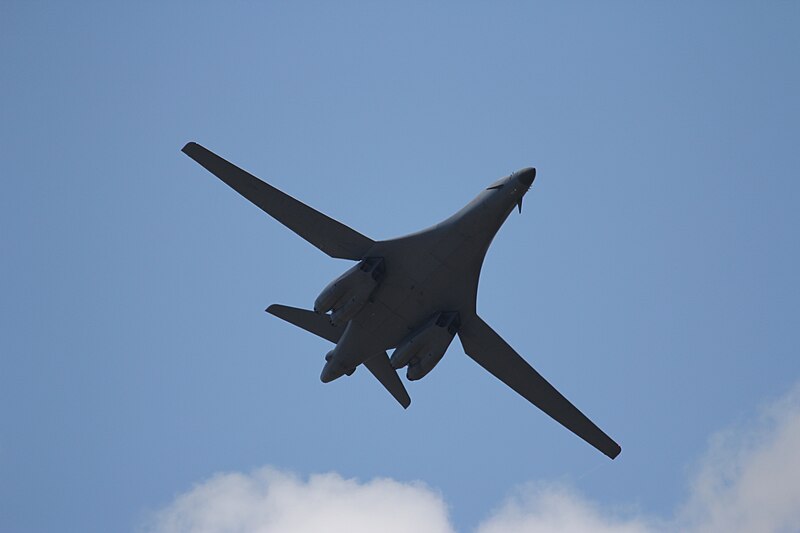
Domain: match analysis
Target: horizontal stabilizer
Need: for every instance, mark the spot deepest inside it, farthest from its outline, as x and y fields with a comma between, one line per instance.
x=382, y=369
x=489, y=350
x=320, y=326
x=327, y=234
x=315, y=323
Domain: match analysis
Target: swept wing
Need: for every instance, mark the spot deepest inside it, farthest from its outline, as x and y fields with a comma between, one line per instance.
x=489, y=350
x=327, y=234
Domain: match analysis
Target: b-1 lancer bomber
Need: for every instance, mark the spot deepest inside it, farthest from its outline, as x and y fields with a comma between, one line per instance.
x=413, y=294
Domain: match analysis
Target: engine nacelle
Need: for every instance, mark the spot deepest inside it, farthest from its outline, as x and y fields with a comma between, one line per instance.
x=348, y=293
x=426, y=346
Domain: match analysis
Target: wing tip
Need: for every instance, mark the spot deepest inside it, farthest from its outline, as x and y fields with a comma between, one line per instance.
x=191, y=146
x=614, y=451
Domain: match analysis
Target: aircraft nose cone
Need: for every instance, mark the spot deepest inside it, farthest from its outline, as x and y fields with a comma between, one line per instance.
x=526, y=176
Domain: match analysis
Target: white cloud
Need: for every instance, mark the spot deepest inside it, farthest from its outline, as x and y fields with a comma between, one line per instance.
x=268, y=501
x=749, y=480
x=556, y=508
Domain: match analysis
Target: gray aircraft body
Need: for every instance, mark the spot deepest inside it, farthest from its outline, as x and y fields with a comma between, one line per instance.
x=413, y=294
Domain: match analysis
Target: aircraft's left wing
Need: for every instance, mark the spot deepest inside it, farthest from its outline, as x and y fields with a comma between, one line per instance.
x=327, y=234
x=489, y=350
x=320, y=326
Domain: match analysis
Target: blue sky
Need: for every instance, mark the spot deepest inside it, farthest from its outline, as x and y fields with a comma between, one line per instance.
x=652, y=276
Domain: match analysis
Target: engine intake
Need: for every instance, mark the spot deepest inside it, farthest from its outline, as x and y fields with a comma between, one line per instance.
x=347, y=294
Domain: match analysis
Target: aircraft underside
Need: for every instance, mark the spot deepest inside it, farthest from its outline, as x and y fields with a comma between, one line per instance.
x=413, y=294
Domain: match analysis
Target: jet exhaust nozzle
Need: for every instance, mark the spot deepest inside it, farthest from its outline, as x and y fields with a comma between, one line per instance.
x=426, y=346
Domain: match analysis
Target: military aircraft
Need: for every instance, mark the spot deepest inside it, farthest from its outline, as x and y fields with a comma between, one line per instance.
x=414, y=293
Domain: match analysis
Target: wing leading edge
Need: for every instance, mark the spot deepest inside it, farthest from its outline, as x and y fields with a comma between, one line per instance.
x=489, y=350
x=327, y=234
x=319, y=325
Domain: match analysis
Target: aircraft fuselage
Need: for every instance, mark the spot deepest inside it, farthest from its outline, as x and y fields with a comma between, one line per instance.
x=414, y=294
x=430, y=271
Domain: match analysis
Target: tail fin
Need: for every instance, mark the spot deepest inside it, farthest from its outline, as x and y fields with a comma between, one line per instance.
x=320, y=326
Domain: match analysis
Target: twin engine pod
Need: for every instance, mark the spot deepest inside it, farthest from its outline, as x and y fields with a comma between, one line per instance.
x=348, y=293
x=424, y=348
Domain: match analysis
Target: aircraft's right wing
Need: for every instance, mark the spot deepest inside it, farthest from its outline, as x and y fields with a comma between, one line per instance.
x=489, y=350
x=327, y=234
